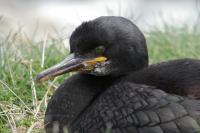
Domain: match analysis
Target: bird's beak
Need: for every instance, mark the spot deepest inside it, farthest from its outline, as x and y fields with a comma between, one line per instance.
x=70, y=64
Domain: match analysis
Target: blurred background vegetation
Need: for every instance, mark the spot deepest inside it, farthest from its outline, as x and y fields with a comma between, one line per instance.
x=34, y=35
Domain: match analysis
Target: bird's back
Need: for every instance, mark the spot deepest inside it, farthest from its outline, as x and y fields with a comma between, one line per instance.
x=132, y=108
x=181, y=77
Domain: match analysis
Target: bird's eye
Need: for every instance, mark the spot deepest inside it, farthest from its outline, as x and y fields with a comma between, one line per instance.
x=100, y=49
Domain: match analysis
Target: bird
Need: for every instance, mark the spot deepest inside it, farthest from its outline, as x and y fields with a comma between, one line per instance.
x=115, y=89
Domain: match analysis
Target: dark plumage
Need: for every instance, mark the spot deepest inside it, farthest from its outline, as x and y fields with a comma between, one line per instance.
x=132, y=108
x=108, y=94
x=180, y=77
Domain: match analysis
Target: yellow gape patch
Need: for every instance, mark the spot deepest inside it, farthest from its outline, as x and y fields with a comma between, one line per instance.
x=89, y=65
x=96, y=60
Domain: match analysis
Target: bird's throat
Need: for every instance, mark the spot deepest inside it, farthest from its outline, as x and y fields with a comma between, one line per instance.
x=73, y=97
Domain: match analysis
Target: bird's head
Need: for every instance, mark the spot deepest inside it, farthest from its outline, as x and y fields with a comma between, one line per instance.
x=104, y=46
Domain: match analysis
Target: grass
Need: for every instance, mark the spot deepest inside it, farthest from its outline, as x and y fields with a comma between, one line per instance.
x=173, y=43
x=23, y=103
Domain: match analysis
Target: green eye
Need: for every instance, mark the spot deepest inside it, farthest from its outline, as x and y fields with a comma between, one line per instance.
x=100, y=50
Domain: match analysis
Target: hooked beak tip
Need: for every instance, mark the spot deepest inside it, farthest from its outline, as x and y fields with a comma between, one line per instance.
x=38, y=78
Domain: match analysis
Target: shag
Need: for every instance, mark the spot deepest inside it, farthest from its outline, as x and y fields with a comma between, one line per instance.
x=115, y=90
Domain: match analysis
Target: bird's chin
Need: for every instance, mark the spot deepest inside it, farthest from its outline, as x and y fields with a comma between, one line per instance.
x=95, y=73
x=100, y=69
x=98, y=74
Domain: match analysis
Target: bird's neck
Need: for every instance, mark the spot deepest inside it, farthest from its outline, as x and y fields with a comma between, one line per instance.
x=81, y=91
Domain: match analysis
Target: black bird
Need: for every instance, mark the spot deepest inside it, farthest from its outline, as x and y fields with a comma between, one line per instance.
x=115, y=90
